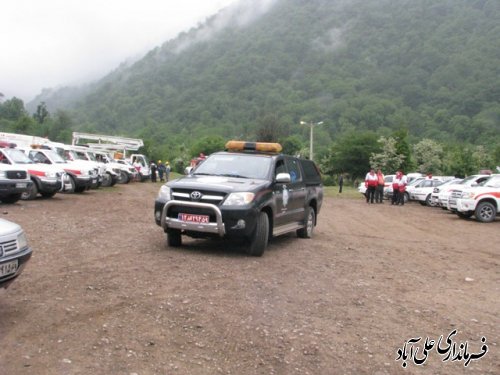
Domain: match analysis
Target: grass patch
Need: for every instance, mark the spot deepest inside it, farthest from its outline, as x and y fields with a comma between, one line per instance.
x=348, y=192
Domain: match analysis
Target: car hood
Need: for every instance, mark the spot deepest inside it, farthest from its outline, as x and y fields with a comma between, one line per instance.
x=217, y=183
x=8, y=227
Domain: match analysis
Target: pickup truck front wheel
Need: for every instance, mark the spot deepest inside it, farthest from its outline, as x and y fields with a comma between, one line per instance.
x=260, y=237
x=174, y=238
x=485, y=212
x=308, y=229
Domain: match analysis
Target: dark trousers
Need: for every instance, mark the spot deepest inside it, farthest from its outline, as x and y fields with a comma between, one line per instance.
x=379, y=194
x=395, y=196
x=401, y=198
x=370, y=194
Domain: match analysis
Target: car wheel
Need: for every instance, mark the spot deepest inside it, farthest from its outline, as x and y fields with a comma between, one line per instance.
x=174, y=238
x=31, y=193
x=465, y=215
x=260, y=236
x=107, y=180
x=70, y=185
x=428, y=201
x=406, y=197
x=13, y=198
x=123, y=178
x=485, y=212
x=308, y=229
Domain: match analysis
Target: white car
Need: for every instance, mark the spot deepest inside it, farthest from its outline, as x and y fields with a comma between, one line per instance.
x=14, y=252
x=435, y=193
x=481, y=201
x=422, y=191
x=466, y=182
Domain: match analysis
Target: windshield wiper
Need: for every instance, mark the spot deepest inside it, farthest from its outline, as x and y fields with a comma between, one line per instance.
x=232, y=175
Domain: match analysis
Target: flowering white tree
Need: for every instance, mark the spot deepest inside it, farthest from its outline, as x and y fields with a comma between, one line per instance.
x=428, y=156
x=388, y=160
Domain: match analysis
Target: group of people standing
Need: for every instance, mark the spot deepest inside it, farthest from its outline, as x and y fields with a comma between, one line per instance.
x=162, y=169
x=375, y=182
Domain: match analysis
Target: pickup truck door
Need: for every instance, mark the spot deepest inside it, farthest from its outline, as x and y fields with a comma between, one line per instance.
x=296, y=191
x=281, y=196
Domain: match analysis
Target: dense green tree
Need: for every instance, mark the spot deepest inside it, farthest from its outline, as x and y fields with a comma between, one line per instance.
x=41, y=113
x=351, y=154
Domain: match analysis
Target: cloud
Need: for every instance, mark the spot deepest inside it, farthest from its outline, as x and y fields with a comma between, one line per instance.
x=54, y=42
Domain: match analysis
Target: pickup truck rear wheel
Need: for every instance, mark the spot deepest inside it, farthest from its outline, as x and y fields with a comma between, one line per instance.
x=485, y=212
x=260, y=237
x=308, y=229
x=174, y=238
x=107, y=180
x=123, y=178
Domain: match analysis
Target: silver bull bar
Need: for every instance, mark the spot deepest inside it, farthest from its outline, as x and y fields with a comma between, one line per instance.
x=174, y=223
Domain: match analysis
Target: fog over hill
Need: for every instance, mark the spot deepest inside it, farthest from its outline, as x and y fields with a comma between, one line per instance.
x=430, y=66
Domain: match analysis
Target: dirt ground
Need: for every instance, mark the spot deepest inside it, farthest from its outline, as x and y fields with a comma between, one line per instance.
x=103, y=294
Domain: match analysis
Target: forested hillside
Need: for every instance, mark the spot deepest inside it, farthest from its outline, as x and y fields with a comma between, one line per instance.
x=424, y=69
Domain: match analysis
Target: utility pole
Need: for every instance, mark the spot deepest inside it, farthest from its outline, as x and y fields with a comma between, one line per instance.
x=311, y=135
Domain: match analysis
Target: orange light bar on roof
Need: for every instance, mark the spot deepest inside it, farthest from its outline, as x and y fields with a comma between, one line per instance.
x=253, y=146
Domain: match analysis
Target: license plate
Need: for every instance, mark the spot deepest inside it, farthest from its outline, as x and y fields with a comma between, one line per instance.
x=21, y=185
x=8, y=268
x=193, y=218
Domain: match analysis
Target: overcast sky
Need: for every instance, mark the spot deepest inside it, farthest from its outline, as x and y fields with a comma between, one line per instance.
x=50, y=43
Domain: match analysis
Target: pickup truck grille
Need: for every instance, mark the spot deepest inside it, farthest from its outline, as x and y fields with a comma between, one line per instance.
x=455, y=194
x=204, y=196
x=16, y=175
x=8, y=246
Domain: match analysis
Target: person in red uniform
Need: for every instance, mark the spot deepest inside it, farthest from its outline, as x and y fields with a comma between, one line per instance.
x=395, y=188
x=403, y=181
x=379, y=192
x=371, y=182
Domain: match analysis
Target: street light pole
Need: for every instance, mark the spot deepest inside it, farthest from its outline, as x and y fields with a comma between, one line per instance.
x=311, y=136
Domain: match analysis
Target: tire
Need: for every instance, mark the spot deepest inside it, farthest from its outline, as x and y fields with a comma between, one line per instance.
x=13, y=198
x=80, y=189
x=107, y=180
x=123, y=178
x=260, y=237
x=310, y=221
x=406, y=197
x=428, y=201
x=464, y=215
x=485, y=212
x=71, y=185
x=174, y=238
x=31, y=193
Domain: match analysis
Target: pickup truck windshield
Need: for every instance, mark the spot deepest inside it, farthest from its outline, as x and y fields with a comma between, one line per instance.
x=235, y=165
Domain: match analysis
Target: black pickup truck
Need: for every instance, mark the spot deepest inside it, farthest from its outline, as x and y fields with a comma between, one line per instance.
x=250, y=191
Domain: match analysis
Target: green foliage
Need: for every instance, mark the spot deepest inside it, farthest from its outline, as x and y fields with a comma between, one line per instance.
x=208, y=145
x=351, y=154
x=405, y=69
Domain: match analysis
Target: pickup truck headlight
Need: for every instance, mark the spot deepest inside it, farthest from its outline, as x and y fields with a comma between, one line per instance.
x=22, y=242
x=467, y=195
x=165, y=193
x=51, y=174
x=239, y=199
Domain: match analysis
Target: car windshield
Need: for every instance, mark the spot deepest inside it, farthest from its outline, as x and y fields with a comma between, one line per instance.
x=17, y=156
x=235, y=165
x=56, y=158
x=466, y=180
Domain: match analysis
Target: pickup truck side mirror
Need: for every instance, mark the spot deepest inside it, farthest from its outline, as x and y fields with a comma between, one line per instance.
x=283, y=177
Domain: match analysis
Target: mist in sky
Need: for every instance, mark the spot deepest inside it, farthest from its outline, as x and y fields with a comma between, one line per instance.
x=51, y=43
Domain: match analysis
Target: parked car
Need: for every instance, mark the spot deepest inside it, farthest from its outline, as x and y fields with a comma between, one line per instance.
x=14, y=252
x=14, y=181
x=466, y=182
x=481, y=201
x=445, y=185
x=47, y=179
x=422, y=190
